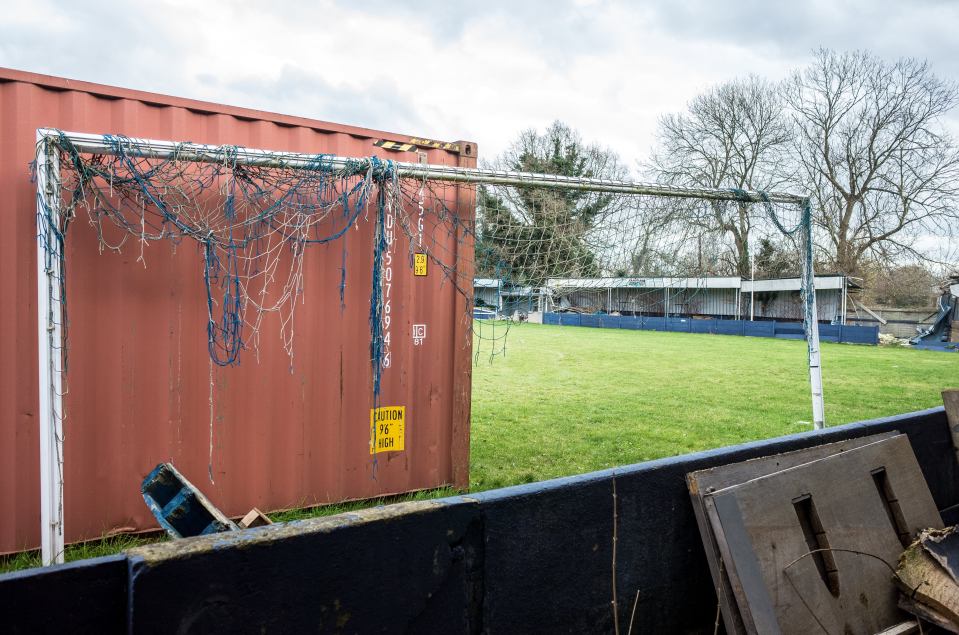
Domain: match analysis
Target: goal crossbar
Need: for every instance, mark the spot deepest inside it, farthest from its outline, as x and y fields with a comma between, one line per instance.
x=201, y=153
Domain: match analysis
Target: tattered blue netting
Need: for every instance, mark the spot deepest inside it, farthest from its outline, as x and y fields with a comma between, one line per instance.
x=252, y=223
x=252, y=226
x=244, y=219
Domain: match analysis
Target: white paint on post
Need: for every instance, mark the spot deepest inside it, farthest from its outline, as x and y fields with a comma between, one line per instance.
x=752, y=285
x=845, y=292
x=812, y=337
x=50, y=349
x=815, y=374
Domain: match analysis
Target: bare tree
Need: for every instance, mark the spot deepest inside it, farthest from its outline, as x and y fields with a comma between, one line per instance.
x=733, y=136
x=870, y=149
x=654, y=243
x=911, y=285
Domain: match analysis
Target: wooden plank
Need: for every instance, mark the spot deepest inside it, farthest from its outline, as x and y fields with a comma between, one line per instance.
x=734, y=588
x=926, y=614
x=717, y=478
x=902, y=628
x=179, y=506
x=875, y=316
x=928, y=574
x=782, y=517
x=761, y=615
x=254, y=518
x=921, y=579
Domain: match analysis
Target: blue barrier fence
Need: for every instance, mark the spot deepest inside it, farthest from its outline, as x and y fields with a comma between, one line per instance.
x=764, y=328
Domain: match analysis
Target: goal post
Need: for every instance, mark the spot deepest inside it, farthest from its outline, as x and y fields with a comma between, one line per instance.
x=50, y=340
x=51, y=234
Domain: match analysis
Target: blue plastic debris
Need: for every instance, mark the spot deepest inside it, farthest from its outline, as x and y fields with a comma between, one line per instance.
x=181, y=509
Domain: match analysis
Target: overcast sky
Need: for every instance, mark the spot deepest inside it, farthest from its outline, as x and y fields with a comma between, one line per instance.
x=479, y=71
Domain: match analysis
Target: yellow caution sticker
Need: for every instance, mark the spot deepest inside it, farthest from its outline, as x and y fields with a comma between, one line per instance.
x=419, y=264
x=387, y=429
x=396, y=146
x=440, y=145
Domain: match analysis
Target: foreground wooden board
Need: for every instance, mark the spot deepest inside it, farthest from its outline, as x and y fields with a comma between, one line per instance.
x=705, y=482
x=766, y=529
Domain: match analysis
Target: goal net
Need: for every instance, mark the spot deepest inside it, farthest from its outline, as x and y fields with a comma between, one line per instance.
x=539, y=245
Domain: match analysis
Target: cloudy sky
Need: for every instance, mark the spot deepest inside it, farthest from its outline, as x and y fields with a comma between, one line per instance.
x=450, y=70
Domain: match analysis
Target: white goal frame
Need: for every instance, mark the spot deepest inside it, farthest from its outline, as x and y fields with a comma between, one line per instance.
x=50, y=303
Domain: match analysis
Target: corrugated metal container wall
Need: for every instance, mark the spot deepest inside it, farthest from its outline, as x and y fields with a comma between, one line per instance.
x=787, y=305
x=650, y=300
x=486, y=296
x=715, y=302
x=140, y=377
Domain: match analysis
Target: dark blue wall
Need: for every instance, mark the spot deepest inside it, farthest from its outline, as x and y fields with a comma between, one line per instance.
x=759, y=328
x=528, y=559
x=88, y=596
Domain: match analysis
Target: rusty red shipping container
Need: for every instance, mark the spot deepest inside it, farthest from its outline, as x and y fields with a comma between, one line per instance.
x=139, y=373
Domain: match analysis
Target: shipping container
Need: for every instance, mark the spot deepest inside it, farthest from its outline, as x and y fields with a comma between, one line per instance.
x=286, y=432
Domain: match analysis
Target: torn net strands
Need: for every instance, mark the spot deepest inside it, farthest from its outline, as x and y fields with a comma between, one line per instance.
x=247, y=222
x=251, y=226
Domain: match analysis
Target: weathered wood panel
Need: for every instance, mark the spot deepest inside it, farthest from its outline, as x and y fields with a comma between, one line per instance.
x=705, y=482
x=812, y=547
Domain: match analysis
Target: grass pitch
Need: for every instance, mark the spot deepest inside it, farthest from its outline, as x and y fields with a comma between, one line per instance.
x=565, y=400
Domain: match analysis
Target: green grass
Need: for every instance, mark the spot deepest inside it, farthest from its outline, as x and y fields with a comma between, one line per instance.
x=566, y=400
x=118, y=543
x=82, y=551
